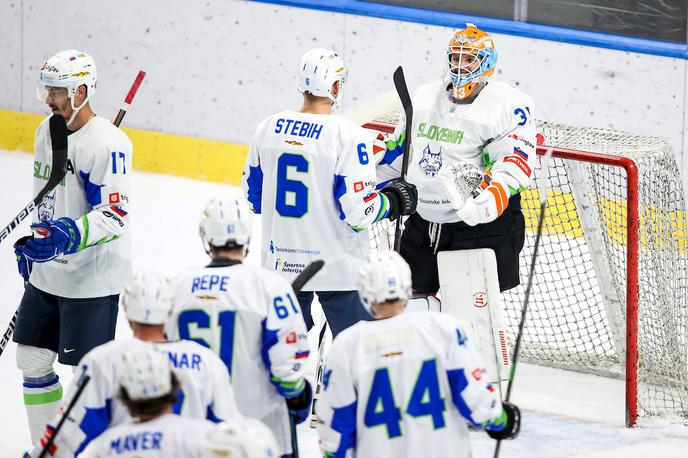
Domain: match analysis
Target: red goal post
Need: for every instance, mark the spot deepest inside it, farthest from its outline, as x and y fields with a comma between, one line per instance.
x=615, y=230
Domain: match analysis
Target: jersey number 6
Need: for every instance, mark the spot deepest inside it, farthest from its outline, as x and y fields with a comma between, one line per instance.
x=292, y=195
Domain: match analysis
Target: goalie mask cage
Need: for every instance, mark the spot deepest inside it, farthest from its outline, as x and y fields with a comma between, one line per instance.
x=610, y=285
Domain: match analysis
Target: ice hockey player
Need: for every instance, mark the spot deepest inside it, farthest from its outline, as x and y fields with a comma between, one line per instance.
x=205, y=393
x=465, y=121
x=150, y=391
x=248, y=438
x=250, y=317
x=421, y=362
x=77, y=270
x=311, y=176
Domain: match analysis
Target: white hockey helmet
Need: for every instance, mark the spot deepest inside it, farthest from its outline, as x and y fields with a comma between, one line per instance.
x=68, y=69
x=145, y=372
x=319, y=69
x=225, y=222
x=245, y=438
x=385, y=276
x=147, y=299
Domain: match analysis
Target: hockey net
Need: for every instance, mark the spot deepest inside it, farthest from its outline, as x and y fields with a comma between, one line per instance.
x=611, y=279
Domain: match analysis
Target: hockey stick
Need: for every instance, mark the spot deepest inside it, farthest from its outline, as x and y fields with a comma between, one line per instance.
x=57, y=174
x=402, y=90
x=521, y=324
x=306, y=274
x=319, y=370
x=71, y=405
x=129, y=98
x=298, y=284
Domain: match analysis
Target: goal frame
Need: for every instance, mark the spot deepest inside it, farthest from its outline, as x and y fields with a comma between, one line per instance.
x=632, y=247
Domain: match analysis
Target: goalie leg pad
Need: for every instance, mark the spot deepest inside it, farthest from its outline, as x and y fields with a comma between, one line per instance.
x=470, y=291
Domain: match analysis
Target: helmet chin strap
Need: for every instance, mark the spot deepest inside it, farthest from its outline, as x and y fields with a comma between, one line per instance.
x=336, y=100
x=75, y=110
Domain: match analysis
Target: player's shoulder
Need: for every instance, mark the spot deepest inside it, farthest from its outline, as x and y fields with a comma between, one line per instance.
x=188, y=346
x=44, y=125
x=109, y=350
x=99, y=131
x=431, y=88
x=349, y=337
x=500, y=93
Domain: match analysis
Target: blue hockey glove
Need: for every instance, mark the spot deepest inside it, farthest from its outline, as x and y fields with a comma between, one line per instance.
x=24, y=265
x=62, y=237
x=507, y=425
x=300, y=406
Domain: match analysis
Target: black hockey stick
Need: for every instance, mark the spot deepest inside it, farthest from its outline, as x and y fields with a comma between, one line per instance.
x=76, y=397
x=57, y=174
x=544, y=170
x=402, y=90
x=306, y=274
x=298, y=284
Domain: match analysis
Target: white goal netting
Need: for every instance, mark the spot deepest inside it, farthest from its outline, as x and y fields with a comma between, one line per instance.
x=578, y=309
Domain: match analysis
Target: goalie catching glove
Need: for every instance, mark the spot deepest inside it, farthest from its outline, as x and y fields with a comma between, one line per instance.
x=478, y=197
x=62, y=237
x=402, y=196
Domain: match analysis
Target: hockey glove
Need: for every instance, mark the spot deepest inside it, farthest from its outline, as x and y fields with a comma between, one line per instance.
x=507, y=425
x=486, y=206
x=403, y=198
x=62, y=237
x=300, y=406
x=24, y=264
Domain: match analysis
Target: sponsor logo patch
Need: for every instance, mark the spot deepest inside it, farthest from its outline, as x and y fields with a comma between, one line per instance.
x=479, y=299
x=291, y=338
x=520, y=163
x=477, y=374
x=113, y=198
x=358, y=186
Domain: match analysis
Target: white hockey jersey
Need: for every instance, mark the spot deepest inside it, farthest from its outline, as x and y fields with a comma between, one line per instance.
x=250, y=317
x=95, y=193
x=496, y=131
x=168, y=436
x=312, y=177
x=205, y=391
x=399, y=387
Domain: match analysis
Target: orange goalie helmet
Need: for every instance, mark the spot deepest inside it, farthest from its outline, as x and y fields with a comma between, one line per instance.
x=472, y=58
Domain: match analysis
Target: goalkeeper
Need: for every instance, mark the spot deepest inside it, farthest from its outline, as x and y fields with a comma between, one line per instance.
x=472, y=153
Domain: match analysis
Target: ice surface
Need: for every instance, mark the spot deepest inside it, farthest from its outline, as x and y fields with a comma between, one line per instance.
x=565, y=414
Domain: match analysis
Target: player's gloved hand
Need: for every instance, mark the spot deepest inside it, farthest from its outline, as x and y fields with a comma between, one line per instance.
x=300, y=406
x=24, y=264
x=507, y=425
x=62, y=237
x=403, y=198
x=488, y=205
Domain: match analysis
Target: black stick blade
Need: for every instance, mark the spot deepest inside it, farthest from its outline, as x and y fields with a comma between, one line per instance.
x=306, y=274
x=402, y=90
x=59, y=143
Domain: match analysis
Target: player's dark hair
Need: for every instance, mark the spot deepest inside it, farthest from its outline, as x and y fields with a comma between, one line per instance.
x=150, y=408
